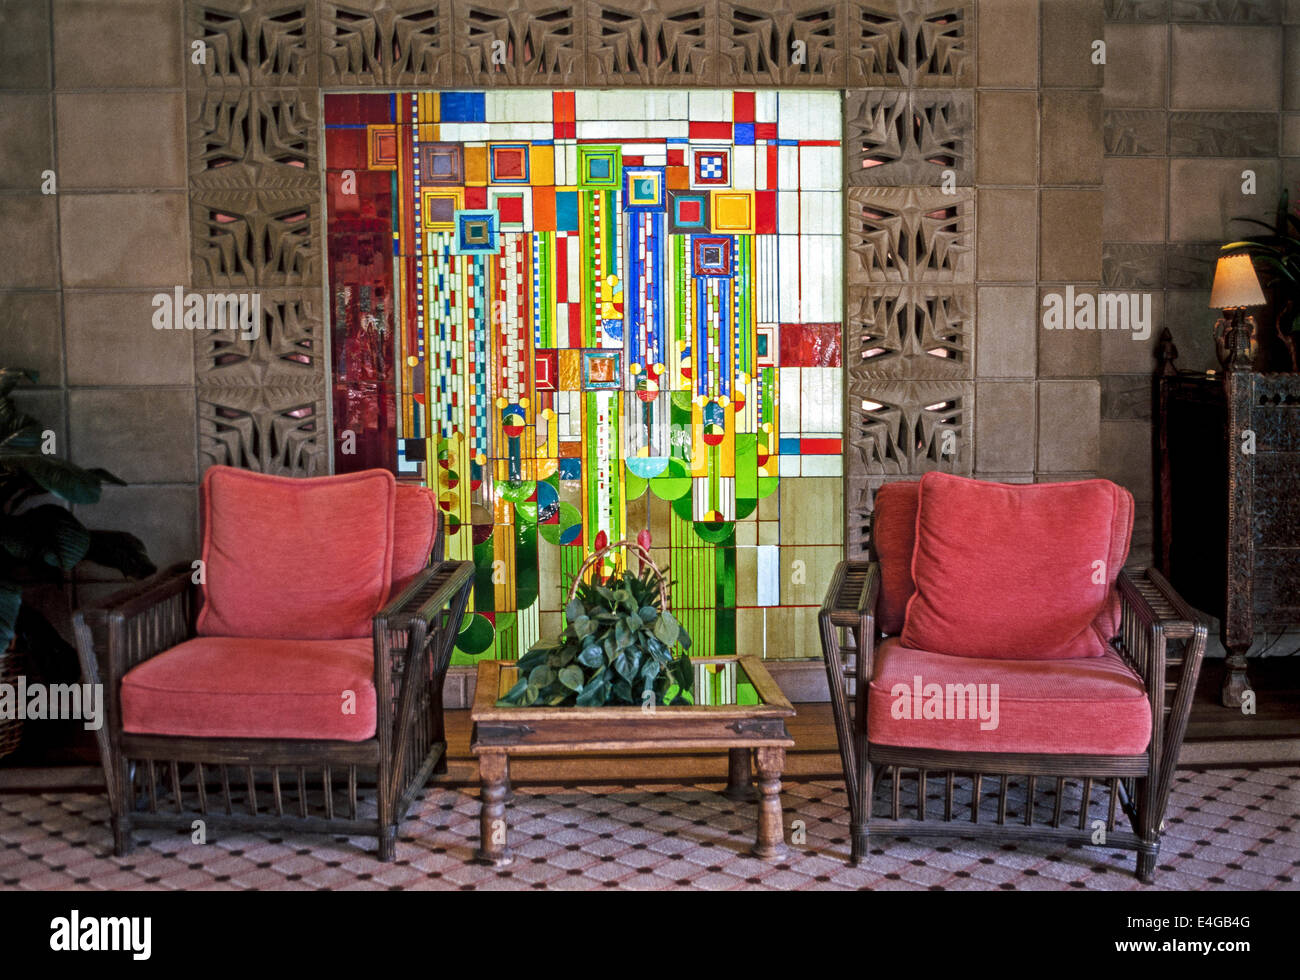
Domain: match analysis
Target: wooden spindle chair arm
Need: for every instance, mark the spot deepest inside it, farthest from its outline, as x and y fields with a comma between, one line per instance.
x=850, y=604
x=139, y=622
x=125, y=629
x=1154, y=616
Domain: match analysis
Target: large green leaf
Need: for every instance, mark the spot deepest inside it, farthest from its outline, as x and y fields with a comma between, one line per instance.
x=25, y=439
x=59, y=477
x=594, y=694
x=122, y=551
x=105, y=476
x=666, y=630
x=47, y=534
x=571, y=677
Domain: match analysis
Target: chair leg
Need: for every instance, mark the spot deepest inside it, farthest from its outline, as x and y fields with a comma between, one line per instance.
x=859, y=826
x=1148, y=828
x=387, y=843
x=1146, y=864
x=122, y=841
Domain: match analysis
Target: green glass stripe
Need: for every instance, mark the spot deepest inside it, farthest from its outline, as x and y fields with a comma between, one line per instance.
x=589, y=438
x=609, y=217
x=715, y=488
x=546, y=280
x=570, y=562
x=615, y=486
x=682, y=284
x=693, y=589
x=484, y=591
x=587, y=273
x=745, y=286
x=769, y=400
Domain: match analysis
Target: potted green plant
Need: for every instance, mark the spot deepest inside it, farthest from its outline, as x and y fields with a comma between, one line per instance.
x=616, y=649
x=41, y=542
x=1277, y=257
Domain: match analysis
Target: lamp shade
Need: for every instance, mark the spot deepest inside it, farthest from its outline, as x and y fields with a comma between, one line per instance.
x=1235, y=284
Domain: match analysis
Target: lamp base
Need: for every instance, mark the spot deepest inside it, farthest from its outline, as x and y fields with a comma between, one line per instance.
x=1234, y=339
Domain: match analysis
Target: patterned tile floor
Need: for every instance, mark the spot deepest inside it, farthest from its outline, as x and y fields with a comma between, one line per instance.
x=1226, y=829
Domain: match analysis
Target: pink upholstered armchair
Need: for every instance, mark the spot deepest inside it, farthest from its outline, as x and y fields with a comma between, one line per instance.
x=993, y=635
x=303, y=655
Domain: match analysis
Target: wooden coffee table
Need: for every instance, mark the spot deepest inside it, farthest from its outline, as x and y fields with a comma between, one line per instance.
x=742, y=729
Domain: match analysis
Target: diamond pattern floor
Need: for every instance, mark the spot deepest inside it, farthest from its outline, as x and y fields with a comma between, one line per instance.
x=1226, y=829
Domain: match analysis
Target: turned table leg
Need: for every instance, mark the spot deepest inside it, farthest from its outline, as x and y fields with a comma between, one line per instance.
x=771, y=823
x=740, y=777
x=494, y=779
x=1235, y=681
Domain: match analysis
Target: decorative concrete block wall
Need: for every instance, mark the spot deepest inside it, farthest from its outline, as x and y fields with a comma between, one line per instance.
x=203, y=173
x=94, y=92
x=1195, y=95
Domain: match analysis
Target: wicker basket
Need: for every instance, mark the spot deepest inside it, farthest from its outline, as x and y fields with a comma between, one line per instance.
x=593, y=560
x=12, y=663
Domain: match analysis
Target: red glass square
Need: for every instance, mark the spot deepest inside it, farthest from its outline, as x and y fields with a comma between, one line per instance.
x=512, y=209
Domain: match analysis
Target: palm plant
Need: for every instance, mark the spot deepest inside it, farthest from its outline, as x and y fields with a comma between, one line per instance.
x=1277, y=256
x=41, y=541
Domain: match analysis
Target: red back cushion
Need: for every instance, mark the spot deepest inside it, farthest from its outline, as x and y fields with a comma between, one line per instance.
x=893, y=538
x=414, y=527
x=1012, y=571
x=301, y=559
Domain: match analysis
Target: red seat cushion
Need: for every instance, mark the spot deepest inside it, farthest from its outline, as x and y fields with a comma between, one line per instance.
x=295, y=558
x=893, y=539
x=1017, y=571
x=224, y=687
x=415, y=523
x=1086, y=706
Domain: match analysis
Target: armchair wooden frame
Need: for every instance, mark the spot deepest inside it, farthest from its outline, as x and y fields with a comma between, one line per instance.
x=171, y=781
x=1161, y=638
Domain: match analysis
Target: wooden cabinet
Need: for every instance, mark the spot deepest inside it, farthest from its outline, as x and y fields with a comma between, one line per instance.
x=1227, y=458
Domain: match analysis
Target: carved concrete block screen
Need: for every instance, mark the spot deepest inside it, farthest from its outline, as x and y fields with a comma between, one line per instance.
x=579, y=314
x=903, y=226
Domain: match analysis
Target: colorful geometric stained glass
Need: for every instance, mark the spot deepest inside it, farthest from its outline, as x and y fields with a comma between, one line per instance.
x=577, y=315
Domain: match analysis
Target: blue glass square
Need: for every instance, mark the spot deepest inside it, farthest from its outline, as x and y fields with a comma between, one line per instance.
x=566, y=210
x=464, y=106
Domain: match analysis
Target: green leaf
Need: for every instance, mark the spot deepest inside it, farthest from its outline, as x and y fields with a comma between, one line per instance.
x=48, y=534
x=59, y=477
x=125, y=552
x=573, y=610
x=511, y=697
x=666, y=630
x=594, y=695
x=531, y=659
x=623, y=666
x=105, y=476
x=540, y=676
x=571, y=677
x=592, y=657
x=682, y=671
x=25, y=439
x=648, y=614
